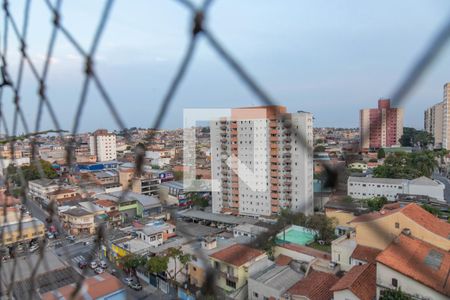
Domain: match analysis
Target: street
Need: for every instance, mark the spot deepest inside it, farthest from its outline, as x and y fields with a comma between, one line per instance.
x=446, y=182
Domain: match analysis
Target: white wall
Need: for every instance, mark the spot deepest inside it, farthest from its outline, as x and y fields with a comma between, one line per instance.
x=407, y=285
x=344, y=295
x=427, y=190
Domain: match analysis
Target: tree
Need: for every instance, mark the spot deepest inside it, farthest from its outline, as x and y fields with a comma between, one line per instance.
x=178, y=256
x=131, y=262
x=381, y=154
x=431, y=209
x=30, y=172
x=178, y=175
x=397, y=294
x=376, y=203
x=407, y=165
x=319, y=148
x=323, y=225
x=412, y=137
x=198, y=200
x=157, y=264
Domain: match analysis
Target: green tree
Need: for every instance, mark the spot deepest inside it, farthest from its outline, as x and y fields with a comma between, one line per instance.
x=177, y=256
x=157, y=264
x=131, y=262
x=391, y=294
x=407, y=165
x=381, y=154
x=30, y=172
x=178, y=175
x=376, y=203
x=319, y=148
x=431, y=209
x=412, y=137
x=198, y=200
x=323, y=225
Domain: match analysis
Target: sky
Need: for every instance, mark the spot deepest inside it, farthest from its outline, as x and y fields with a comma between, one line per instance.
x=327, y=57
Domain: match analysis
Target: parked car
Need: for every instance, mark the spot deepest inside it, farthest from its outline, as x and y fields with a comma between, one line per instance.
x=127, y=280
x=93, y=264
x=71, y=238
x=50, y=235
x=82, y=264
x=103, y=264
x=99, y=270
x=33, y=247
x=135, y=285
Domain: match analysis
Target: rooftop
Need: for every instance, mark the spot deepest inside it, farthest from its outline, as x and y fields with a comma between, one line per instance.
x=105, y=203
x=377, y=180
x=425, y=181
x=44, y=182
x=306, y=250
x=237, y=254
x=364, y=253
x=315, y=286
x=280, y=278
x=420, y=261
x=219, y=218
x=360, y=280
x=146, y=201
x=77, y=212
x=416, y=214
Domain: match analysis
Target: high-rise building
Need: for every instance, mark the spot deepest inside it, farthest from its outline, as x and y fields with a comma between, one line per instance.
x=260, y=163
x=380, y=127
x=434, y=122
x=103, y=145
x=446, y=121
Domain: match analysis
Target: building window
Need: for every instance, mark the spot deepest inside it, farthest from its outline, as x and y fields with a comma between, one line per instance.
x=394, y=282
x=255, y=294
x=397, y=225
x=216, y=265
x=231, y=284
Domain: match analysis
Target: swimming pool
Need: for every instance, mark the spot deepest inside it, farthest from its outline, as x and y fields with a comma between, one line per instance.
x=296, y=235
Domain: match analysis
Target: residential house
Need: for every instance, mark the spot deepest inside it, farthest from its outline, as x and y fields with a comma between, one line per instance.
x=155, y=233
x=272, y=282
x=379, y=229
x=249, y=230
x=358, y=284
x=315, y=286
x=417, y=267
x=234, y=264
x=20, y=232
x=78, y=220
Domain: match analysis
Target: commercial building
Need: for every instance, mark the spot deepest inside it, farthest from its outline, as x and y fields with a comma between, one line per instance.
x=103, y=145
x=78, y=220
x=261, y=163
x=380, y=127
x=146, y=184
x=172, y=193
x=369, y=187
x=20, y=232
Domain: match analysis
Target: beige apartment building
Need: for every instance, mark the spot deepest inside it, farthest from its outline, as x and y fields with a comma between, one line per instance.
x=437, y=120
x=260, y=162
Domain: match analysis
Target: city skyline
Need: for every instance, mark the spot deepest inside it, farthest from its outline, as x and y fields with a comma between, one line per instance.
x=340, y=68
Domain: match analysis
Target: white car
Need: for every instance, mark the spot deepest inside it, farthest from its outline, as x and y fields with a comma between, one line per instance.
x=99, y=270
x=34, y=247
x=103, y=264
x=127, y=280
x=93, y=265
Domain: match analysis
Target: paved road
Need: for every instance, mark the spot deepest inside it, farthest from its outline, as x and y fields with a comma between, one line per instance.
x=446, y=182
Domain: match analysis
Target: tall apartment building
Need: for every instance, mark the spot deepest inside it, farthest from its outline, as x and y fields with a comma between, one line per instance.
x=434, y=122
x=380, y=127
x=103, y=145
x=259, y=162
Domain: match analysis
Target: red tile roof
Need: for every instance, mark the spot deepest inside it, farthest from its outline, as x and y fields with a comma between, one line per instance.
x=94, y=287
x=283, y=260
x=413, y=212
x=307, y=250
x=360, y=280
x=364, y=253
x=237, y=254
x=408, y=255
x=105, y=203
x=315, y=286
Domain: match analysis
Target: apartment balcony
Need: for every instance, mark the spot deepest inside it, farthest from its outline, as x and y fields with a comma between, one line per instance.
x=273, y=146
x=223, y=127
x=287, y=161
x=224, y=147
x=287, y=147
x=234, y=204
x=287, y=176
x=288, y=197
x=234, y=126
x=275, y=209
x=287, y=168
x=273, y=139
x=274, y=173
x=286, y=155
x=274, y=160
x=229, y=276
x=223, y=140
x=234, y=140
x=274, y=151
x=234, y=147
x=274, y=196
x=287, y=140
x=288, y=131
x=273, y=124
x=225, y=185
x=224, y=171
x=274, y=181
x=225, y=198
x=274, y=202
x=287, y=124
x=274, y=131
x=235, y=184
x=287, y=183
